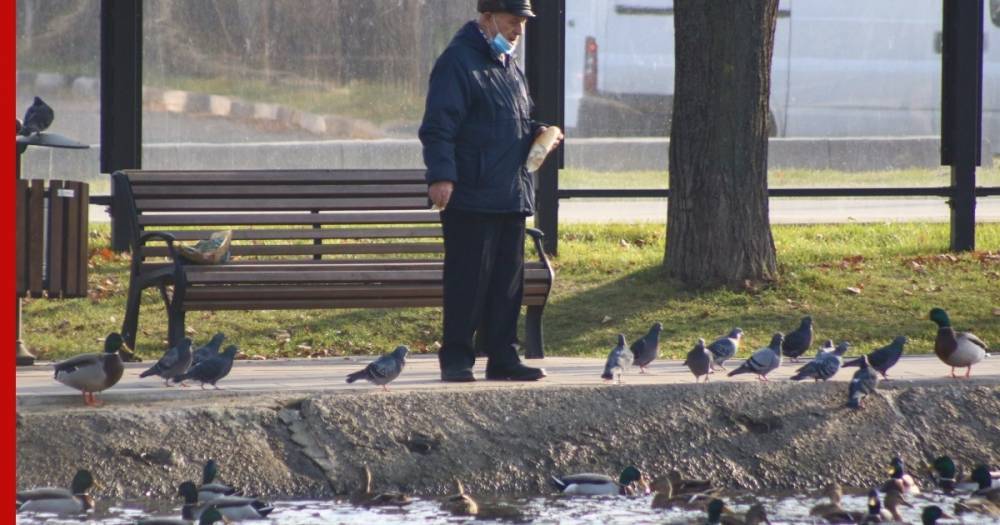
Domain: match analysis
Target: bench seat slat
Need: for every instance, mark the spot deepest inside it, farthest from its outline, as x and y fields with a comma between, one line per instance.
x=277, y=219
x=209, y=177
x=268, y=292
x=213, y=274
x=312, y=249
x=356, y=203
x=310, y=233
x=312, y=304
x=258, y=190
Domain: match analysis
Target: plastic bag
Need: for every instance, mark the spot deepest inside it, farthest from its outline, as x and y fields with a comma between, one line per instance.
x=214, y=250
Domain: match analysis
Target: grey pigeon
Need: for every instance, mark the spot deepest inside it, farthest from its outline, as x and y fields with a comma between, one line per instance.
x=884, y=358
x=699, y=360
x=799, y=340
x=763, y=361
x=647, y=348
x=825, y=365
x=726, y=347
x=863, y=383
x=210, y=370
x=37, y=118
x=619, y=359
x=383, y=370
x=175, y=361
x=209, y=350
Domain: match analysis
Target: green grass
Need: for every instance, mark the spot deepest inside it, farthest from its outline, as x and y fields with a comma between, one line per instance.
x=784, y=178
x=373, y=101
x=609, y=280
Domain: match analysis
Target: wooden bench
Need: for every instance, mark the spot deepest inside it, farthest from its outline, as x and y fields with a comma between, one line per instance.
x=302, y=239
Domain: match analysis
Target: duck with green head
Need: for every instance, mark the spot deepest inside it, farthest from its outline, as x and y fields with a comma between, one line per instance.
x=900, y=480
x=231, y=507
x=931, y=514
x=599, y=484
x=719, y=514
x=956, y=349
x=988, y=488
x=58, y=500
x=211, y=489
x=91, y=373
x=947, y=477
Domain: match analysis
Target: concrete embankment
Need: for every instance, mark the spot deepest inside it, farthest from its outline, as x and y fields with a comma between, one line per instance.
x=509, y=440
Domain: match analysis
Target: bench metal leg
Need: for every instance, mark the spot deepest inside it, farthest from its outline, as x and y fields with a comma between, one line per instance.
x=131, y=323
x=175, y=326
x=534, y=343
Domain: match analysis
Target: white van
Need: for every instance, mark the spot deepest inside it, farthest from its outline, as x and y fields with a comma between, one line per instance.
x=840, y=68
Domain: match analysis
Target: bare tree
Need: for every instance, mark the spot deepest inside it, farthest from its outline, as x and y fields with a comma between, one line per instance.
x=718, y=227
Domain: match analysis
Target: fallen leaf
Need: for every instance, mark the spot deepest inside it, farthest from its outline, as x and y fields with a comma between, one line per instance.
x=606, y=319
x=853, y=290
x=190, y=331
x=996, y=312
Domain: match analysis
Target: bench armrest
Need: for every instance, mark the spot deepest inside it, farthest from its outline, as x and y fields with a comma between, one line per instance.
x=141, y=241
x=537, y=236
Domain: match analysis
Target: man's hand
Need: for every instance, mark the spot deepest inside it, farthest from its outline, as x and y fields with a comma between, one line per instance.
x=554, y=144
x=440, y=193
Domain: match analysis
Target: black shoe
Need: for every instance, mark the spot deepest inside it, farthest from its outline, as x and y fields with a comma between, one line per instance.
x=516, y=372
x=457, y=375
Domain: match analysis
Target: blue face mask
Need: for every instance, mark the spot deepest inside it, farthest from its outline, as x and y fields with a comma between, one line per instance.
x=500, y=44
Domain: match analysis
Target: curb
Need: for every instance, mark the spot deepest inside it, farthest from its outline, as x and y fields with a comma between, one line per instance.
x=190, y=102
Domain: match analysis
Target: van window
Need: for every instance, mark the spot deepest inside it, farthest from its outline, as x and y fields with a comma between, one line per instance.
x=995, y=12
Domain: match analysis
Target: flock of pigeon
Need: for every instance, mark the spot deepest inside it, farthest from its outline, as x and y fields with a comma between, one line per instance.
x=90, y=373
x=213, y=501
x=955, y=349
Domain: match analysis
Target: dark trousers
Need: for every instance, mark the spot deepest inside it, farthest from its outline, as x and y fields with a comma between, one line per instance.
x=483, y=286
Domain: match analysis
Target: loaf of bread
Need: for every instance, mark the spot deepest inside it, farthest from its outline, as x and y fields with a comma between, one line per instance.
x=541, y=147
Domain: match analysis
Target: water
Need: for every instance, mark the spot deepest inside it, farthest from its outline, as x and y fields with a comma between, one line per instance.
x=539, y=510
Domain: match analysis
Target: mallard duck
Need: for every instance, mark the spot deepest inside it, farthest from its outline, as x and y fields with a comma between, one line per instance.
x=978, y=506
x=209, y=517
x=682, y=486
x=599, y=484
x=460, y=504
x=987, y=488
x=664, y=498
x=876, y=514
x=58, y=500
x=900, y=480
x=956, y=349
x=718, y=513
x=90, y=373
x=893, y=499
x=209, y=489
x=947, y=477
x=369, y=498
x=931, y=514
x=231, y=507
x=832, y=512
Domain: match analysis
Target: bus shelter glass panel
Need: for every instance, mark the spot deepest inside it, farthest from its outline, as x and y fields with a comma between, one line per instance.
x=855, y=97
x=58, y=60
x=282, y=84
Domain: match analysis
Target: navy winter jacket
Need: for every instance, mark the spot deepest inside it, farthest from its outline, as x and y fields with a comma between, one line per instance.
x=477, y=127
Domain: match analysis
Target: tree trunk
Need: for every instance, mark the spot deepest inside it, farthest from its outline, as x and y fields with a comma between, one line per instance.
x=718, y=228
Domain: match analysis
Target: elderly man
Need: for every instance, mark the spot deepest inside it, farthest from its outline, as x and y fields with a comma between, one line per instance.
x=476, y=134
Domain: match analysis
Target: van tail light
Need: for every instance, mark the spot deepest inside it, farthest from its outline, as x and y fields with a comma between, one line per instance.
x=590, y=66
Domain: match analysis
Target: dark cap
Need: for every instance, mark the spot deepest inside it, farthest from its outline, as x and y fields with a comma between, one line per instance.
x=514, y=7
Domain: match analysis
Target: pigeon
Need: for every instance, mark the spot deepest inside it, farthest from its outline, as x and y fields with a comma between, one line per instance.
x=725, y=347
x=647, y=348
x=825, y=365
x=175, y=361
x=90, y=373
x=956, y=349
x=798, y=341
x=383, y=370
x=699, y=360
x=619, y=359
x=862, y=384
x=763, y=361
x=884, y=358
x=37, y=118
x=210, y=370
x=209, y=350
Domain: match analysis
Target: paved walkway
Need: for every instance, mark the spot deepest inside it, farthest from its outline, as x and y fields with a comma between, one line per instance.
x=35, y=385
